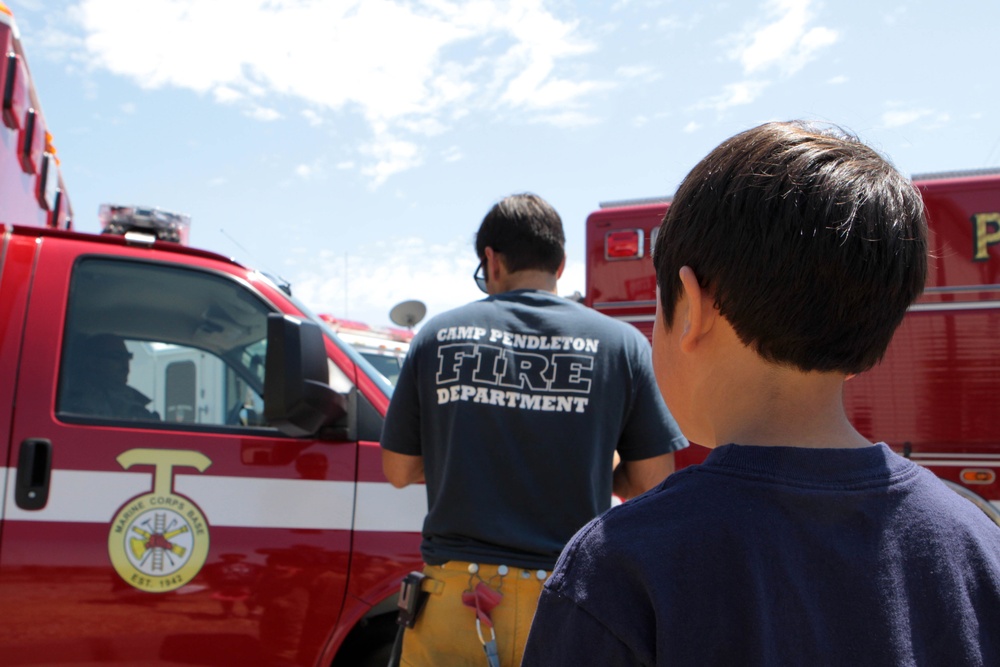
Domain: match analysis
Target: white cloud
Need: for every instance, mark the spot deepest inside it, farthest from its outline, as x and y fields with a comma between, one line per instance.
x=313, y=171
x=389, y=155
x=404, y=66
x=366, y=283
x=892, y=17
x=901, y=117
x=643, y=73
x=691, y=127
x=313, y=118
x=384, y=273
x=264, y=114
x=227, y=95
x=734, y=94
x=788, y=42
x=428, y=127
x=452, y=154
x=574, y=277
x=838, y=80
x=566, y=119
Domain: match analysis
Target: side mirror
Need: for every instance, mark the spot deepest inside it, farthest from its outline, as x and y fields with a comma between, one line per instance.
x=298, y=399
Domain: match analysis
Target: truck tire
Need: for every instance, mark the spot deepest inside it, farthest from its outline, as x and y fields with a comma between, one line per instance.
x=369, y=644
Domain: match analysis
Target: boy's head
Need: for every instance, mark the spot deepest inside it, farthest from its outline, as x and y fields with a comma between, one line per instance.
x=526, y=230
x=810, y=243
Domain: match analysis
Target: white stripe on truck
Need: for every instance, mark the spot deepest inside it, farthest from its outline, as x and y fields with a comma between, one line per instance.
x=87, y=496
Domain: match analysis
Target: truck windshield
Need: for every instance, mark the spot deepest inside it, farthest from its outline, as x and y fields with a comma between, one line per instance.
x=384, y=377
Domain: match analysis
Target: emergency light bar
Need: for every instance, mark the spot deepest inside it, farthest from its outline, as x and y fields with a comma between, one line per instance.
x=164, y=225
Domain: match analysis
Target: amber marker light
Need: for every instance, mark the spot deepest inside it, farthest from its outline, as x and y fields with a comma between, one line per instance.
x=977, y=476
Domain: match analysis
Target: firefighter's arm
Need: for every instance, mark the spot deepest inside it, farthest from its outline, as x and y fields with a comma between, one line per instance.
x=402, y=469
x=632, y=478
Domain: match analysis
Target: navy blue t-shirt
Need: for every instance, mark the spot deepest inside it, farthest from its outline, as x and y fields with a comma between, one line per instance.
x=517, y=404
x=779, y=556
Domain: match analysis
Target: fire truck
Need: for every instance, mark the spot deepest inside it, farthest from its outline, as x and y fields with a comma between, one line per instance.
x=191, y=471
x=933, y=397
x=383, y=347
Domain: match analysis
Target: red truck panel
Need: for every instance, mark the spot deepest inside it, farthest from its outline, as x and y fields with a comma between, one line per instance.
x=934, y=394
x=301, y=539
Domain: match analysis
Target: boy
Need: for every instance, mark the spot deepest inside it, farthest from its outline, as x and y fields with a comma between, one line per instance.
x=786, y=261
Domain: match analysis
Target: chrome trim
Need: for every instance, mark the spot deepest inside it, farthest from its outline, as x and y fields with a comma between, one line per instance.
x=635, y=318
x=980, y=502
x=961, y=289
x=959, y=305
x=625, y=304
x=923, y=455
x=958, y=173
x=640, y=201
x=967, y=463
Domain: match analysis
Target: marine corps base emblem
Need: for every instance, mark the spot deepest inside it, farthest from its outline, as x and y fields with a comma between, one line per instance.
x=159, y=541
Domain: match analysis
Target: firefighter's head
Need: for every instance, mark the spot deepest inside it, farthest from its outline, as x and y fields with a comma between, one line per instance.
x=107, y=357
x=809, y=243
x=523, y=232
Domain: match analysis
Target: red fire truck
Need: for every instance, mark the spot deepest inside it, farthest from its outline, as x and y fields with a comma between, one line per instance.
x=383, y=347
x=934, y=396
x=191, y=472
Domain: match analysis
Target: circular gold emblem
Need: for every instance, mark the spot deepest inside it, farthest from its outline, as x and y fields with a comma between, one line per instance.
x=158, y=543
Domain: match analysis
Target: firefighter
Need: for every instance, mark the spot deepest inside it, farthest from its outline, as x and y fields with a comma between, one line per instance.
x=97, y=381
x=511, y=409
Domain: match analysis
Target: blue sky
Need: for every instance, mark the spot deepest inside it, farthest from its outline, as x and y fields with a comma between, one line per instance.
x=353, y=146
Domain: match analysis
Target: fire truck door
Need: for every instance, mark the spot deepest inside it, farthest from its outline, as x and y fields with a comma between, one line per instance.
x=167, y=524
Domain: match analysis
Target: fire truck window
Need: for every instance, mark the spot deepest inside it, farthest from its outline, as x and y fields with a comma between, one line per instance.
x=388, y=365
x=180, y=396
x=159, y=345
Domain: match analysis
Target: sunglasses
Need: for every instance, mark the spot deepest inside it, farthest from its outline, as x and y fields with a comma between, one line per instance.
x=480, y=278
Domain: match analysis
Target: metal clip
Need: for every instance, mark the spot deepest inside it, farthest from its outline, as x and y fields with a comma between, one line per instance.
x=489, y=647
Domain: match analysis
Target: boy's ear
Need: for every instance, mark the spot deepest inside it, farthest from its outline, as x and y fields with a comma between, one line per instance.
x=699, y=310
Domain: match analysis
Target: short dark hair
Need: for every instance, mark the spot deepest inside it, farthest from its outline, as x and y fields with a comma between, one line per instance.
x=526, y=230
x=811, y=243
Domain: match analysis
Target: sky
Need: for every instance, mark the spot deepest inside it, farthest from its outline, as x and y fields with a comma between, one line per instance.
x=352, y=147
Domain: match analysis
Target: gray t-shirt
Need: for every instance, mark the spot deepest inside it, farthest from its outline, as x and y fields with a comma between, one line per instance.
x=517, y=404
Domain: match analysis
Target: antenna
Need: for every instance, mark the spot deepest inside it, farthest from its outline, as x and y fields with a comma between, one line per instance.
x=408, y=313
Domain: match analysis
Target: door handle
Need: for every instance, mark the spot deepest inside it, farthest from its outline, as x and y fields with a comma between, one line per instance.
x=34, y=468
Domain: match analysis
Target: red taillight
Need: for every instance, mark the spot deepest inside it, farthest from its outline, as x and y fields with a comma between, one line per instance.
x=623, y=244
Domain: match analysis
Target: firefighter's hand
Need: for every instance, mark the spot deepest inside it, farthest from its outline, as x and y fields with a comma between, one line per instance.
x=402, y=469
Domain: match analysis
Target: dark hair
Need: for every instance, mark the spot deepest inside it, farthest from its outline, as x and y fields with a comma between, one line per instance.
x=811, y=243
x=526, y=230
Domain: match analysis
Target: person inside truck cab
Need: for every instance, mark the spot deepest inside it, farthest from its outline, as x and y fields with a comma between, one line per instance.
x=97, y=381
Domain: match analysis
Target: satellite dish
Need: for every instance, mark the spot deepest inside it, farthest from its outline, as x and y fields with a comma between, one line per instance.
x=408, y=313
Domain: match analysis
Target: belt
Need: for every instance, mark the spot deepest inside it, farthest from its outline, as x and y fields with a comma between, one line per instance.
x=489, y=570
